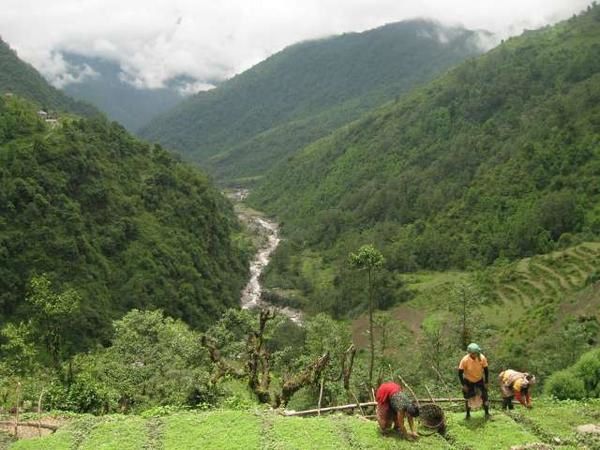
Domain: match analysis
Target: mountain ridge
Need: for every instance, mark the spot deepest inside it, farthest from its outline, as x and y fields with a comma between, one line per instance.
x=340, y=77
x=20, y=78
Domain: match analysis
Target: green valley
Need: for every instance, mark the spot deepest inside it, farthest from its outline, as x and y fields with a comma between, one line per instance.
x=260, y=117
x=497, y=159
x=427, y=204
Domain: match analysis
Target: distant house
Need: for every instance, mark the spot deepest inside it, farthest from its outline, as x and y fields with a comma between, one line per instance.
x=51, y=118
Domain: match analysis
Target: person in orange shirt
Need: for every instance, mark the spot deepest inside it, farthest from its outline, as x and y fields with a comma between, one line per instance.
x=474, y=375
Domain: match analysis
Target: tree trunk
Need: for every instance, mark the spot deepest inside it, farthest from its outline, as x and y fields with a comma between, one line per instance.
x=371, y=337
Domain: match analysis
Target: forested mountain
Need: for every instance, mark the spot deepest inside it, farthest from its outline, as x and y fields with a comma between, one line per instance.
x=498, y=158
x=300, y=94
x=18, y=77
x=133, y=107
x=121, y=222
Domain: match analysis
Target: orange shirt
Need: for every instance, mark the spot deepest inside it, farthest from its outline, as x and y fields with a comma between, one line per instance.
x=473, y=368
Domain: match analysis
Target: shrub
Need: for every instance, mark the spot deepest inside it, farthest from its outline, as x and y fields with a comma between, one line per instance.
x=564, y=385
x=587, y=369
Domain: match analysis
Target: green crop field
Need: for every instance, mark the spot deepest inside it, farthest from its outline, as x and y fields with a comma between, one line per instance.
x=547, y=290
x=549, y=424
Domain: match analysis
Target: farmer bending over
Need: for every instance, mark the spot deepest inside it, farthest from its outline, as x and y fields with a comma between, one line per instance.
x=473, y=374
x=393, y=405
x=517, y=385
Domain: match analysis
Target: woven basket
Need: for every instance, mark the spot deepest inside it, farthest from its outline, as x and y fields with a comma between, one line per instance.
x=432, y=417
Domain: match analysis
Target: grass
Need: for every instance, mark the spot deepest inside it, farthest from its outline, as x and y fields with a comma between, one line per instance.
x=116, y=433
x=477, y=433
x=559, y=419
x=61, y=440
x=265, y=429
x=214, y=430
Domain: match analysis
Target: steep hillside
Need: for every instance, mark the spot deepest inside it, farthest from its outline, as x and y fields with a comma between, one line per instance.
x=537, y=313
x=540, y=428
x=265, y=114
x=19, y=78
x=498, y=158
x=129, y=105
x=120, y=221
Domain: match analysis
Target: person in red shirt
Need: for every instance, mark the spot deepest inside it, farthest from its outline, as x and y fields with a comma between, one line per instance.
x=393, y=405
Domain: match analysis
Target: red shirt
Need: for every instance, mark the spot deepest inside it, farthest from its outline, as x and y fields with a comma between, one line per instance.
x=385, y=391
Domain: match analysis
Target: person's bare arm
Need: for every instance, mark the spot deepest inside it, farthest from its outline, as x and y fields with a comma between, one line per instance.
x=411, y=424
x=400, y=421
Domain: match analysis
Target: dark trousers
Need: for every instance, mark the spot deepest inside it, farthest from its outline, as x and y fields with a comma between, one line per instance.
x=507, y=402
x=471, y=391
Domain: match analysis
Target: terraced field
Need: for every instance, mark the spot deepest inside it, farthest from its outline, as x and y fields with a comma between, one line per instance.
x=544, y=286
x=549, y=422
x=547, y=287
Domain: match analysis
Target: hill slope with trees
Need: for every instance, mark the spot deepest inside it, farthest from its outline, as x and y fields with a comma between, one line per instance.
x=499, y=158
x=87, y=208
x=265, y=114
x=19, y=78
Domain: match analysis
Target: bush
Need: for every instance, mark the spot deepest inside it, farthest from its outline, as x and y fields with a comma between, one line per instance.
x=587, y=369
x=565, y=385
x=581, y=380
x=83, y=395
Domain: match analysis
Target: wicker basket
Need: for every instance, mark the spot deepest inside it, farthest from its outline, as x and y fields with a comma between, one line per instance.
x=432, y=416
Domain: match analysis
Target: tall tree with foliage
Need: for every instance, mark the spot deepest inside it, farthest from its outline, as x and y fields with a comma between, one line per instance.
x=464, y=300
x=51, y=314
x=369, y=259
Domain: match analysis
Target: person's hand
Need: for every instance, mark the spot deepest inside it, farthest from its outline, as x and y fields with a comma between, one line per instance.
x=414, y=435
x=465, y=388
x=409, y=436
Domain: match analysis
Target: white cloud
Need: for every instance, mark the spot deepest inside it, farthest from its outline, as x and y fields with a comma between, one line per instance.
x=157, y=40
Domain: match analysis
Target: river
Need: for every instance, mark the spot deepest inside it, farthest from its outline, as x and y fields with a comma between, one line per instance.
x=267, y=233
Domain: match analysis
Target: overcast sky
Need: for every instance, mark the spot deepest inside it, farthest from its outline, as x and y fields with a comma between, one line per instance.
x=155, y=40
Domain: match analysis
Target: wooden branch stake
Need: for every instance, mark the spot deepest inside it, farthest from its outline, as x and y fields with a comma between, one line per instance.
x=448, y=390
x=30, y=424
x=39, y=410
x=18, y=398
x=410, y=389
x=330, y=408
x=430, y=396
x=321, y=394
x=367, y=404
x=358, y=404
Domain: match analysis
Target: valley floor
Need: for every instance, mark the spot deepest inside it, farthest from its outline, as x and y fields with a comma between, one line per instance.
x=550, y=425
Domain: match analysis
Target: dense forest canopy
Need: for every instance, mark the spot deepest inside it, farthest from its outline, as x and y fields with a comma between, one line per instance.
x=123, y=223
x=248, y=123
x=499, y=158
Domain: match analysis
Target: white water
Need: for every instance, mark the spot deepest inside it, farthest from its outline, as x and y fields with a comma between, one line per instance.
x=269, y=231
x=252, y=292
